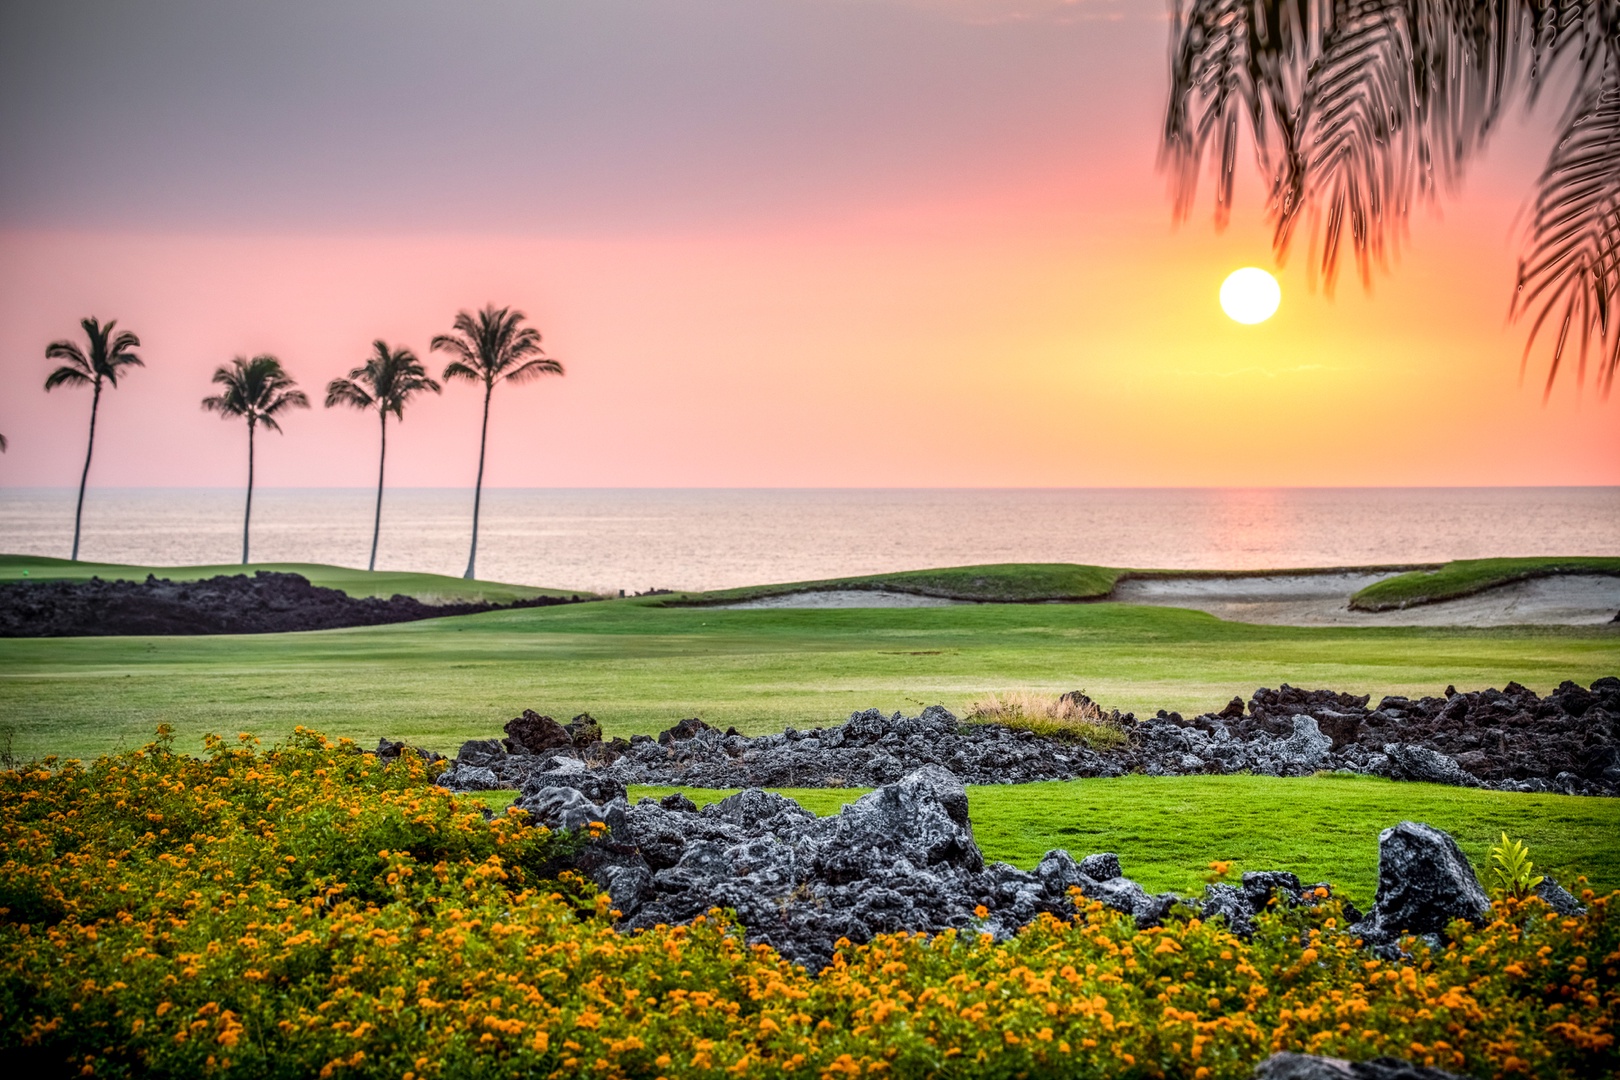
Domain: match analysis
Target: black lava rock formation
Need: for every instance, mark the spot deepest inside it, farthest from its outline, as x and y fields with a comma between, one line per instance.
x=902, y=858
x=266, y=603
x=1511, y=740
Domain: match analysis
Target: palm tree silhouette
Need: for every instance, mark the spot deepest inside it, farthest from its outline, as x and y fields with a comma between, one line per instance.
x=1359, y=108
x=108, y=355
x=492, y=347
x=387, y=380
x=257, y=389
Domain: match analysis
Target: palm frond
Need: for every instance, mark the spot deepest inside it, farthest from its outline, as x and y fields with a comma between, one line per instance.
x=533, y=369
x=348, y=392
x=458, y=370
x=1570, y=276
x=256, y=389
x=69, y=351
x=1357, y=109
x=67, y=376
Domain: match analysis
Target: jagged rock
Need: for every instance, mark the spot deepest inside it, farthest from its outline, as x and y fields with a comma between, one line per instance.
x=1408, y=762
x=389, y=750
x=900, y=858
x=1102, y=866
x=532, y=733
x=1559, y=898
x=682, y=731
x=472, y=778
x=583, y=731
x=1306, y=747
x=480, y=752
x=1424, y=882
x=1568, y=742
x=1288, y=1066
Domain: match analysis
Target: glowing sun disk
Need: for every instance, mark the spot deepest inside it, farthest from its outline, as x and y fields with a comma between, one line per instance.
x=1250, y=295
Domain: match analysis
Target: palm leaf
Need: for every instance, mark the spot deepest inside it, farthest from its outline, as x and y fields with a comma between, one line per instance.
x=1357, y=109
x=1570, y=276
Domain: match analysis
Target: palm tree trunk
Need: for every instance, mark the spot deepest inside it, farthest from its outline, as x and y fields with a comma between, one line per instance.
x=247, y=514
x=84, y=477
x=478, y=489
x=382, y=460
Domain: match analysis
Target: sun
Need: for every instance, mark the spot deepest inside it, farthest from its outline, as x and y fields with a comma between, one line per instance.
x=1250, y=295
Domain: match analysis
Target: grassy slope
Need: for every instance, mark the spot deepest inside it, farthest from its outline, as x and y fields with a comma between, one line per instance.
x=999, y=583
x=1167, y=830
x=1468, y=576
x=429, y=588
x=638, y=667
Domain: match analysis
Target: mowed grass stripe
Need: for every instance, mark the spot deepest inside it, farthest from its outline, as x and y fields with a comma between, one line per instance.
x=638, y=667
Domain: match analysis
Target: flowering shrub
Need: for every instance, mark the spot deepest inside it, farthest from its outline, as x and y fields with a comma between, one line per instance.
x=309, y=911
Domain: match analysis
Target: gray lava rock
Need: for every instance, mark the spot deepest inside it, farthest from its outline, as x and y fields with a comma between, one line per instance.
x=1408, y=762
x=1568, y=742
x=1102, y=866
x=1559, y=898
x=1286, y=1066
x=462, y=777
x=1424, y=882
x=902, y=858
x=1306, y=747
x=480, y=752
x=560, y=808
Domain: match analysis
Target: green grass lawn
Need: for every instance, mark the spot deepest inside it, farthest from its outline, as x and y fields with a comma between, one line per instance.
x=638, y=667
x=428, y=588
x=1468, y=576
x=1168, y=829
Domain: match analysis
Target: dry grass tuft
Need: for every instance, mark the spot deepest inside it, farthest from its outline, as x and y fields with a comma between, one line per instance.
x=1072, y=716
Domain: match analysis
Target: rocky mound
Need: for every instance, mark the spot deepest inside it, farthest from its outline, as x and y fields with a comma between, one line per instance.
x=266, y=603
x=903, y=858
x=1509, y=739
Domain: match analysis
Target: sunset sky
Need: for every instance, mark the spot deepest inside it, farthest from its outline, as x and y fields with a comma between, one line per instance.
x=775, y=242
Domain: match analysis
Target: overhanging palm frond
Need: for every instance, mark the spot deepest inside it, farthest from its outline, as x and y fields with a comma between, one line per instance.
x=1357, y=109
x=1570, y=277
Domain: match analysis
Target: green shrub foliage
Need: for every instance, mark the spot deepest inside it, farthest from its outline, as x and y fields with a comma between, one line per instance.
x=308, y=911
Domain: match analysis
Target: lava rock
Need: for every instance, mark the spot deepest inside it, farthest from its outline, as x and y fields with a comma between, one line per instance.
x=389, y=750
x=584, y=732
x=532, y=733
x=1559, y=898
x=1424, y=883
x=1408, y=762
x=474, y=778
x=1289, y=1066
x=1568, y=742
x=902, y=858
x=266, y=603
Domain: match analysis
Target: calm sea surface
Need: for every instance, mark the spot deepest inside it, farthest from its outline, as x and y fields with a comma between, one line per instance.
x=604, y=540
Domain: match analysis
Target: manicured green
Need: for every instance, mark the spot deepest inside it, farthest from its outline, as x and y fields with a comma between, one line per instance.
x=428, y=588
x=638, y=667
x=1010, y=583
x=1168, y=829
x=1468, y=576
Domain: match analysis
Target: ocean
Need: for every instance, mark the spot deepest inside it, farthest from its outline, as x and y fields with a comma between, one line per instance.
x=636, y=540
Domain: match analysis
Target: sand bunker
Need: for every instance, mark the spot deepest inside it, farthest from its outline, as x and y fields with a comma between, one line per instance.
x=843, y=598
x=1324, y=600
